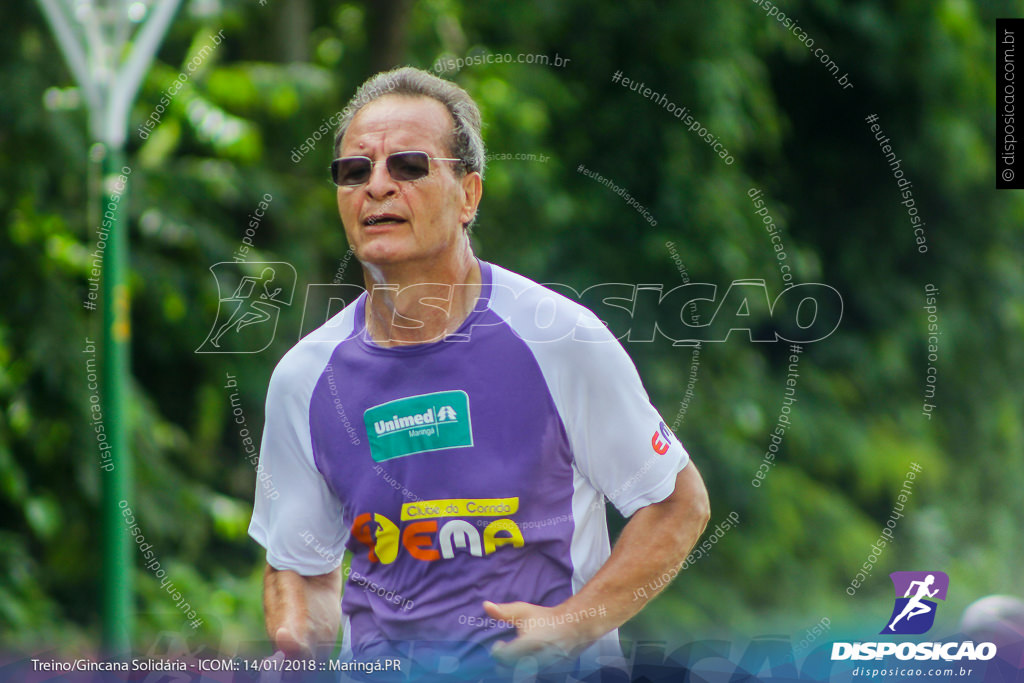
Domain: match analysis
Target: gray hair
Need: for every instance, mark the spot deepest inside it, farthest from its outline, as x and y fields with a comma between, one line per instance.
x=466, y=143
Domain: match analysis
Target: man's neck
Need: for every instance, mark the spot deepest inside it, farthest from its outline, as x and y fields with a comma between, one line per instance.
x=417, y=303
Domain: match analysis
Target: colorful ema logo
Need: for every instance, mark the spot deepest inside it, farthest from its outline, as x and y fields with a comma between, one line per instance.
x=427, y=539
x=916, y=592
x=417, y=424
x=661, y=439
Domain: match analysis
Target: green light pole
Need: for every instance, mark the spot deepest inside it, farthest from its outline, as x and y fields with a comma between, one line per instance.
x=118, y=610
x=108, y=63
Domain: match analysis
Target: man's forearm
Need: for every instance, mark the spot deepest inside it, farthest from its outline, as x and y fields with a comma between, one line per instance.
x=302, y=613
x=656, y=540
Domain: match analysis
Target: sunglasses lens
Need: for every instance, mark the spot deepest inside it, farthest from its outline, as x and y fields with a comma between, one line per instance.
x=350, y=170
x=408, y=165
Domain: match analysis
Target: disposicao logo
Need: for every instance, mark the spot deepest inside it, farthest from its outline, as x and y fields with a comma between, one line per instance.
x=913, y=614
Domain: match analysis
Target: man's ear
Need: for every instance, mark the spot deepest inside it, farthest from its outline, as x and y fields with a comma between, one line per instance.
x=472, y=191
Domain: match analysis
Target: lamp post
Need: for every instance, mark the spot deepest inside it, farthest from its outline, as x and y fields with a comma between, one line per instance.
x=94, y=36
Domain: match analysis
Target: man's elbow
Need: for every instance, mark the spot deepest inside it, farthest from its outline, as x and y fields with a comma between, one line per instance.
x=694, y=506
x=700, y=510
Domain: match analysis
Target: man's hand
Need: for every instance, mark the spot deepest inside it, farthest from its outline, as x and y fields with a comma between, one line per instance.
x=545, y=633
x=656, y=540
x=291, y=645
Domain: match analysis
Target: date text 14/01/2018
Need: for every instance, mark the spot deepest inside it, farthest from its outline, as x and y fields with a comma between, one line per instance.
x=280, y=664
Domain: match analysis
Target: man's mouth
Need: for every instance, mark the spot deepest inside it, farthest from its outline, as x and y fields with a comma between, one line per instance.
x=383, y=219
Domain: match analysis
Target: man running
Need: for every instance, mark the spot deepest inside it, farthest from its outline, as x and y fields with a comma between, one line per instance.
x=249, y=310
x=457, y=429
x=914, y=606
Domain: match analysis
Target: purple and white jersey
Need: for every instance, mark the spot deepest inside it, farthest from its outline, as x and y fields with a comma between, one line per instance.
x=470, y=469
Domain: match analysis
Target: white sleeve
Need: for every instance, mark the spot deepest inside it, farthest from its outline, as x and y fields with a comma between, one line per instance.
x=620, y=443
x=296, y=516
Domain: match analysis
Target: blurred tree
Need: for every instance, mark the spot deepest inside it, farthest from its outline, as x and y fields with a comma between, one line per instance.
x=235, y=133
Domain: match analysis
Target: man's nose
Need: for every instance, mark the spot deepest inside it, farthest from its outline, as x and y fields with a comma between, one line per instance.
x=381, y=184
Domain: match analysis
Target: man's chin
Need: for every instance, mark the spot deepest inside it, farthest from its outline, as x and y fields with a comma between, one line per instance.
x=382, y=256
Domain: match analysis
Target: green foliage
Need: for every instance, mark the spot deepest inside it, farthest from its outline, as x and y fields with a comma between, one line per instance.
x=228, y=137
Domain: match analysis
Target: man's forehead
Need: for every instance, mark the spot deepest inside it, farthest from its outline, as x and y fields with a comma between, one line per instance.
x=397, y=120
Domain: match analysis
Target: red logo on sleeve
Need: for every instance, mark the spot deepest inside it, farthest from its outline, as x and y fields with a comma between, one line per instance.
x=661, y=439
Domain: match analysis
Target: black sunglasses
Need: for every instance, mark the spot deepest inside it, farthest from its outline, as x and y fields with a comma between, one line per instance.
x=349, y=171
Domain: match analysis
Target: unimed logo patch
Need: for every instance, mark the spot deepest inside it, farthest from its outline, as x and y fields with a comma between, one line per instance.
x=418, y=424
